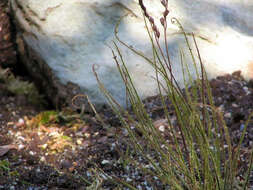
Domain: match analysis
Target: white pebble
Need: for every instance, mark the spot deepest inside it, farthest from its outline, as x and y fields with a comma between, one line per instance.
x=21, y=121
x=54, y=134
x=162, y=128
x=128, y=179
x=21, y=146
x=39, y=133
x=44, y=146
x=32, y=153
x=235, y=105
x=221, y=108
x=21, y=138
x=246, y=89
x=10, y=133
x=227, y=115
x=42, y=159
x=95, y=134
x=105, y=162
x=79, y=141
x=18, y=134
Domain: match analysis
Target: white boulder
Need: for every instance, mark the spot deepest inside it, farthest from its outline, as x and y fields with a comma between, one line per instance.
x=71, y=36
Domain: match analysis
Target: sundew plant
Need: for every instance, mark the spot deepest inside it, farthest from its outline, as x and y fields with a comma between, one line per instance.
x=199, y=153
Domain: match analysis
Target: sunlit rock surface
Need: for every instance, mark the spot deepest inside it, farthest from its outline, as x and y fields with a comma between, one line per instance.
x=70, y=36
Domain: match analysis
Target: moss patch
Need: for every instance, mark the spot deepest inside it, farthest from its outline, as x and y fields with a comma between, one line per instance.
x=16, y=86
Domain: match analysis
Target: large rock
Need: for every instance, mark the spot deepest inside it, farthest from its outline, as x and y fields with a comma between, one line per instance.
x=7, y=41
x=66, y=38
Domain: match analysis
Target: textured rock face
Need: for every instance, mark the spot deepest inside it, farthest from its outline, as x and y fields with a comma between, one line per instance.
x=69, y=37
x=7, y=45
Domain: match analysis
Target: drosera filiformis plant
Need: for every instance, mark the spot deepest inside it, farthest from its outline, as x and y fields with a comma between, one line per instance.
x=198, y=154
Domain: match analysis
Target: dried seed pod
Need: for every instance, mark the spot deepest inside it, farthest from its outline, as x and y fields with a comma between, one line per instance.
x=151, y=20
x=143, y=8
x=162, y=20
x=163, y=2
x=156, y=31
x=157, y=34
x=165, y=13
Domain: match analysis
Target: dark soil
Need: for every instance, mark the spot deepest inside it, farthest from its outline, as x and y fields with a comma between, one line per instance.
x=42, y=157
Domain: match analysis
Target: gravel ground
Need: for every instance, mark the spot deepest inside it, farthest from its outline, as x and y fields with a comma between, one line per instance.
x=59, y=150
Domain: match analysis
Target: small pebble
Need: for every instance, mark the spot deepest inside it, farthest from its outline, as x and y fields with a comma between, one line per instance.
x=40, y=133
x=42, y=159
x=21, y=138
x=32, y=153
x=44, y=146
x=125, y=132
x=21, y=146
x=55, y=134
x=242, y=127
x=162, y=128
x=129, y=179
x=88, y=174
x=20, y=123
x=79, y=141
x=235, y=105
x=10, y=123
x=38, y=170
x=246, y=89
x=79, y=134
x=95, y=134
x=105, y=162
x=227, y=115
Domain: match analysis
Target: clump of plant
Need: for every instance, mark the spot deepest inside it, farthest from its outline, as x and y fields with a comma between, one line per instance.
x=52, y=117
x=4, y=166
x=199, y=153
x=5, y=169
x=16, y=86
